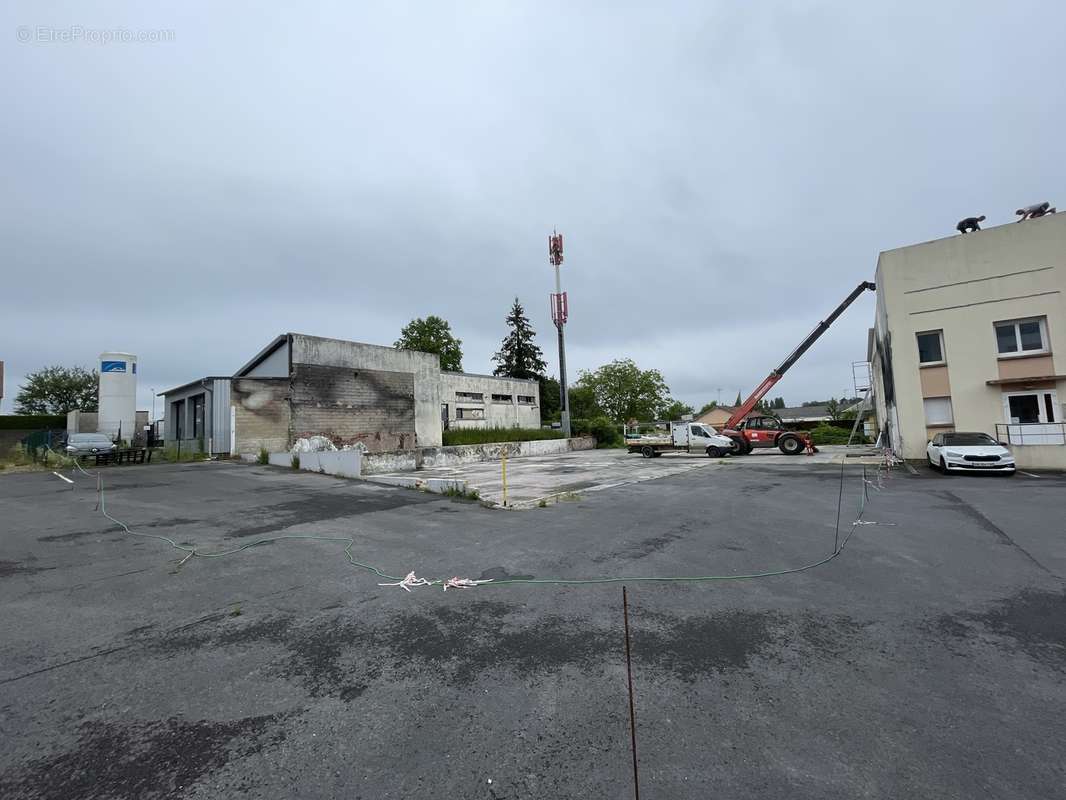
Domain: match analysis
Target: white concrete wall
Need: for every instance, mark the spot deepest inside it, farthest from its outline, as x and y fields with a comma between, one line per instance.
x=424, y=366
x=497, y=414
x=961, y=285
x=343, y=463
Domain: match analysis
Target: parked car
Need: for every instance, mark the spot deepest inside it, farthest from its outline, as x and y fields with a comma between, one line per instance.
x=86, y=444
x=973, y=451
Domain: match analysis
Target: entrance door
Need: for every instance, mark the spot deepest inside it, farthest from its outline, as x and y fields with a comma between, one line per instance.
x=1032, y=417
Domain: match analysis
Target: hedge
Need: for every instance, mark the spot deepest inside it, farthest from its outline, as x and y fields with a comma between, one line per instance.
x=455, y=436
x=32, y=422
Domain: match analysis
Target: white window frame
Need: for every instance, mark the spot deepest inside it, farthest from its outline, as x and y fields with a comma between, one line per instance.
x=1019, y=353
x=943, y=355
x=935, y=424
x=1041, y=405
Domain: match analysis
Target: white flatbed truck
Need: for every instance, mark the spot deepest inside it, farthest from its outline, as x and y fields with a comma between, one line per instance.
x=687, y=437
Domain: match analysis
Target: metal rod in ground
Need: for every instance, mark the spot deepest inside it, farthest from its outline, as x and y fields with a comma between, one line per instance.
x=840, y=502
x=632, y=711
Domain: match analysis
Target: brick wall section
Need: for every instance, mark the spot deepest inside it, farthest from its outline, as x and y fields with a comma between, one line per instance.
x=349, y=405
x=262, y=414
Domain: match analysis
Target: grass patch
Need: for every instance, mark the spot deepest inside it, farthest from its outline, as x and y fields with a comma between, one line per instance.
x=263, y=457
x=174, y=455
x=295, y=460
x=456, y=493
x=18, y=457
x=457, y=436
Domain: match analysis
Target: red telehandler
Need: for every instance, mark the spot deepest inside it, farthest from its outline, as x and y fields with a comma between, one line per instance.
x=748, y=433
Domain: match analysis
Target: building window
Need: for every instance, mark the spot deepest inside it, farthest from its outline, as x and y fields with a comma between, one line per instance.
x=938, y=411
x=470, y=413
x=501, y=398
x=525, y=398
x=1016, y=337
x=931, y=347
x=1028, y=408
x=470, y=397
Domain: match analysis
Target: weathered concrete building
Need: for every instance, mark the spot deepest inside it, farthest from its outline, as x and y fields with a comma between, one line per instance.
x=970, y=335
x=353, y=393
x=485, y=401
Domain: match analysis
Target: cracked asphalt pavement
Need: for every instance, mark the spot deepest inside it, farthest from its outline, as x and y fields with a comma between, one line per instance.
x=928, y=660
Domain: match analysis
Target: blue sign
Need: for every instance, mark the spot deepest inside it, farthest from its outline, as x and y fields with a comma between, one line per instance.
x=112, y=366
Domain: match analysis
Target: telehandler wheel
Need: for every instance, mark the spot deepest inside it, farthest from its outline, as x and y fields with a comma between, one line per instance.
x=647, y=452
x=790, y=445
x=740, y=447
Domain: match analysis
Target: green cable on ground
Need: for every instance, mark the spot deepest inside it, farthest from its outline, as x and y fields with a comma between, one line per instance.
x=194, y=552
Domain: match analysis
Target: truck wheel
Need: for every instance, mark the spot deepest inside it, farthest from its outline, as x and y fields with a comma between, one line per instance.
x=714, y=452
x=790, y=445
x=647, y=452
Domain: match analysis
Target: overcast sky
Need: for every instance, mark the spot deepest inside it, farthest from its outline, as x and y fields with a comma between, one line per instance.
x=724, y=174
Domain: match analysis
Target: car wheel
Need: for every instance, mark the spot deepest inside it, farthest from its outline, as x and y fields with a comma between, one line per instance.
x=790, y=445
x=714, y=452
x=944, y=466
x=647, y=452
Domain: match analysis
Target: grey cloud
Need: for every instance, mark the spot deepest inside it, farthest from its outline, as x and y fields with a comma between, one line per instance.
x=723, y=174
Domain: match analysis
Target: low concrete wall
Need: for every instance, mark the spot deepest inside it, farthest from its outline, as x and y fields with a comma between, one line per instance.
x=429, y=457
x=1039, y=456
x=345, y=463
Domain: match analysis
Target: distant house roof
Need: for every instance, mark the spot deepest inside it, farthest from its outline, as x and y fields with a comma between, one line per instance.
x=803, y=413
x=720, y=410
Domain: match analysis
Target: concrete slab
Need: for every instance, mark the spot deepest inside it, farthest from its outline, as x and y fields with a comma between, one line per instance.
x=535, y=480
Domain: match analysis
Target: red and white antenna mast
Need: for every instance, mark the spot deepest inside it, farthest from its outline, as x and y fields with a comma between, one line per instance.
x=560, y=312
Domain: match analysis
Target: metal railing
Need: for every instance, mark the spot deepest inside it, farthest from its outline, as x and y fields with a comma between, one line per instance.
x=1031, y=433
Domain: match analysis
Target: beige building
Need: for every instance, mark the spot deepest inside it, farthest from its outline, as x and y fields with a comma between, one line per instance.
x=970, y=335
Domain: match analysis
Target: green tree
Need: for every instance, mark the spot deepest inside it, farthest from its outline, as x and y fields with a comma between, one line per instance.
x=833, y=408
x=625, y=391
x=519, y=356
x=779, y=402
x=739, y=400
x=433, y=335
x=707, y=407
x=583, y=403
x=675, y=410
x=57, y=390
x=549, y=399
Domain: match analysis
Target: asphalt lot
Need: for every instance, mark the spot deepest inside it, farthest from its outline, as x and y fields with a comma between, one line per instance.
x=927, y=660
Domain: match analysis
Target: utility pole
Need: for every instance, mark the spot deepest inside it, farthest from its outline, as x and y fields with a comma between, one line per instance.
x=559, y=315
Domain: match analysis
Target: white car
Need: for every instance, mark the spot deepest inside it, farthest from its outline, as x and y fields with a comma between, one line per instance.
x=978, y=452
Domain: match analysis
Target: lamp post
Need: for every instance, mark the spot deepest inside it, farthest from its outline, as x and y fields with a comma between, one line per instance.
x=559, y=315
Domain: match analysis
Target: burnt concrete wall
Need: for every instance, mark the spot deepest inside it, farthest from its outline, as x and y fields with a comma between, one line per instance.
x=350, y=405
x=261, y=411
x=424, y=367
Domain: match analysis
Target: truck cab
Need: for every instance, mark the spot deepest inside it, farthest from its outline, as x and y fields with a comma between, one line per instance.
x=768, y=431
x=698, y=437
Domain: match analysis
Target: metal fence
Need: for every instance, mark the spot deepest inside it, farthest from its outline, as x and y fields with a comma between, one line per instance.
x=1048, y=433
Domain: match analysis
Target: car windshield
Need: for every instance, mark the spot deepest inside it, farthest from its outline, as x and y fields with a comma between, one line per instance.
x=964, y=439
x=85, y=438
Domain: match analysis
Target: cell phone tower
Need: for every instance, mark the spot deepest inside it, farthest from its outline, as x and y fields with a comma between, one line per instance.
x=560, y=311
